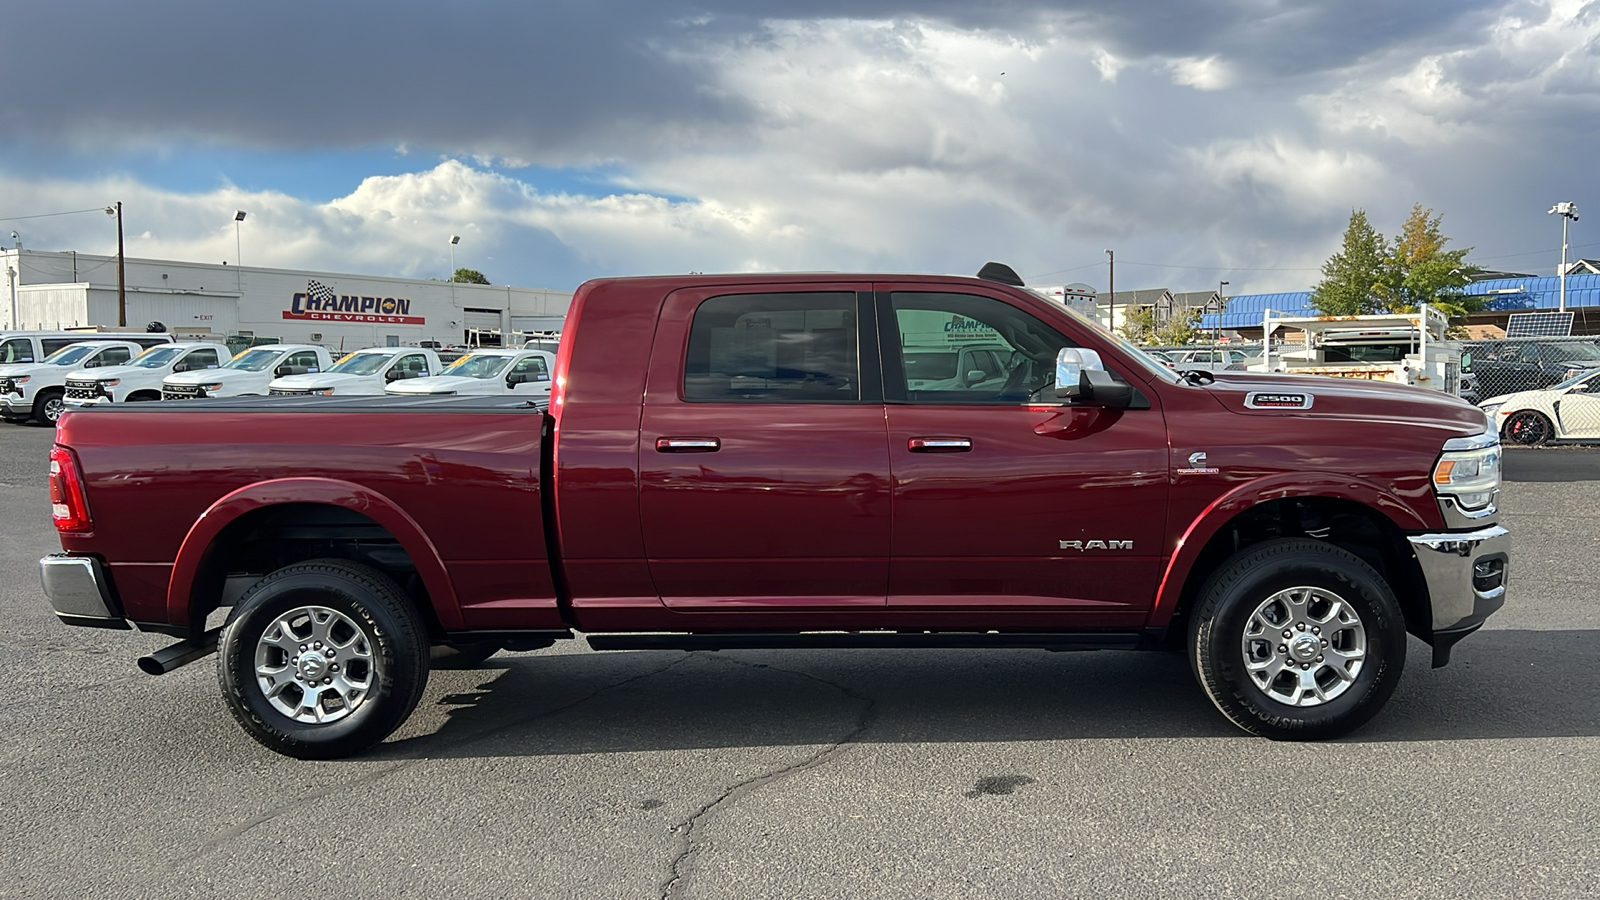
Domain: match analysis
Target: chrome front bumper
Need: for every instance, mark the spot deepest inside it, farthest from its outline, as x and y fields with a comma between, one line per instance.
x=1466, y=574
x=16, y=405
x=80, y=591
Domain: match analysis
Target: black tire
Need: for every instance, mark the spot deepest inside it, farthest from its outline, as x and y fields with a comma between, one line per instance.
x=1244, y=593
x=460, y=656
x=48, y=406
x=1528, y=428
x=377, y=619
x=143, y=396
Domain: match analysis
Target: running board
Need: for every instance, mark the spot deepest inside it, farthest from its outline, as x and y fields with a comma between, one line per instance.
x=877, y=640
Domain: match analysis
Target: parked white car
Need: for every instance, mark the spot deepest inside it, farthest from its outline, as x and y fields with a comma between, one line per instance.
x=1566, y=411
x=36, y=390
x=248, y=373
x=483, y=372
x=141, y=378
x=362, y=372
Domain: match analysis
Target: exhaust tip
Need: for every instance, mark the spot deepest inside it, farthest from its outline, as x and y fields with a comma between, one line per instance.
x=151, y=666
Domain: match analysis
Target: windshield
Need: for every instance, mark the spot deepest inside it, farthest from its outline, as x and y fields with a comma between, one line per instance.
x=66, y=356
x=156, y=357
x=1575, y=380
x=1128, y=348
x=362, y=363
x=252, y=360
x=1583, y=350
x=478, y=366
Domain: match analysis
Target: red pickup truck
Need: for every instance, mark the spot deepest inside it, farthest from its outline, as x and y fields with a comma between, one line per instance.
x=787, y=461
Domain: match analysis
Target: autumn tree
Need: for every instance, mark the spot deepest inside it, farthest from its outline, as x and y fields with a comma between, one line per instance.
x=1373, y=275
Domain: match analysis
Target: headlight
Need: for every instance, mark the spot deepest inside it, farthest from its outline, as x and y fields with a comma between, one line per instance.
x=323, y=391
x=208, y=388
x=1469, y=471
x=21, y=379
x=111, y=382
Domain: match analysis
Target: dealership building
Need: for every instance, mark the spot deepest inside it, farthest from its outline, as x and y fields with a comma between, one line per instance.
x=244, y=304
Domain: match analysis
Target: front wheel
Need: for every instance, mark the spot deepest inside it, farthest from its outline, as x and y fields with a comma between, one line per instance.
x=1297, y=639
x=48, y=406
x=1529, y=428
x=322, y=659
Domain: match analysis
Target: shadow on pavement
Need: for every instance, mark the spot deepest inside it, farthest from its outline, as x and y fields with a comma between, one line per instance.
x=1502, y=684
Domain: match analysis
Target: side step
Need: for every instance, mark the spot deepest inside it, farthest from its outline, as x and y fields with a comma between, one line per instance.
x=877, y=640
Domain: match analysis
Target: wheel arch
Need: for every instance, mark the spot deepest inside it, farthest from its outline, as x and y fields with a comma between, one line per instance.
x=330, y=516
x=1355, y=516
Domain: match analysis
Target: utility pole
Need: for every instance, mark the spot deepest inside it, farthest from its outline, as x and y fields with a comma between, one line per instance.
x=122, y=278
x=1216, y=331
x=1111, y=276
x=1568, y=212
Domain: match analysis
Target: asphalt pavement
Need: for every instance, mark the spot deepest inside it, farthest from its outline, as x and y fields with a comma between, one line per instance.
x=915, y=774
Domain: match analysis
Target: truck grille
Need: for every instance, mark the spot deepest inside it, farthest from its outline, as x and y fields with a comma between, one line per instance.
x=181, y=391
x=288, y=392
x=6, y=387
x=83, y=390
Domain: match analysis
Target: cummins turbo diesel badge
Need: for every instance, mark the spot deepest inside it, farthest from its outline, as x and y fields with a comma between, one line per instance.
x=1277, y=400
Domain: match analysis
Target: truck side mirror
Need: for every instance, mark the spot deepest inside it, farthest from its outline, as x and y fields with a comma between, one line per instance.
x=1097, y=388
x=1071, y=363
x=282, y=371
x=516, y=378
x=393, y=375
x=181, y=367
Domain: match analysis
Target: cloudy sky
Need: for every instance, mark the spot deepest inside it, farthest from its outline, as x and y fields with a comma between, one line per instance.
x=1202, y=139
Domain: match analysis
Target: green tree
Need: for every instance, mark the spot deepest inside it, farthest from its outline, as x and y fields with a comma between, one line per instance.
x=469, y=276
x=1138, y=324
x=1354, y=279
x=1422, y=271
x=1182, y=329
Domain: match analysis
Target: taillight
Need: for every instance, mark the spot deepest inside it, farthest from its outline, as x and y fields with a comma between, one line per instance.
x=68, y=505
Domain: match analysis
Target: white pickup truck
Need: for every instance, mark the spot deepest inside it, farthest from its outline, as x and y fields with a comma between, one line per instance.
x=247, y=374
x=484, y=372
x=36, y=390
x=141, y=378
x=1405, y=348
x=362, y=372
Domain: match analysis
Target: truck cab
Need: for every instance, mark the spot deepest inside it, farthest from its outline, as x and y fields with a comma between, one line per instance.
x=248, y=373
x=141, y=378
x=37, y=391
x=367, y=371
x=487, y=372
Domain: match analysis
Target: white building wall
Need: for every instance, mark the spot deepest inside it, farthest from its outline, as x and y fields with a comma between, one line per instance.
x=368, y=310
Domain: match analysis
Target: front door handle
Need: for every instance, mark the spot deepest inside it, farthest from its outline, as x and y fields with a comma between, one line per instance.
x=939, y=445
x=688, y=445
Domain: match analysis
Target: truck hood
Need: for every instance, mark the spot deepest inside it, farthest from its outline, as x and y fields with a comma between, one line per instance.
x=313, y=380
x=1321, y=397
x=214, y=376
x=439, y=384
x=110, y=372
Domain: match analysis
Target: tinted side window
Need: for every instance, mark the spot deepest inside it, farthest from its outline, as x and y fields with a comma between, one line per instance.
x=532, y=365
x=201, y=359
x=16, y=350
x=413, y=366
x=148, y=342
x=305, y=358
x=931, y=330
x=111, y=356
x=774, y=348
x=51, y=345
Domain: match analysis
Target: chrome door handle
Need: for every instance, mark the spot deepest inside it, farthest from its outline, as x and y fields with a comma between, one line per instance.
x=688, y=445
x=939, y=445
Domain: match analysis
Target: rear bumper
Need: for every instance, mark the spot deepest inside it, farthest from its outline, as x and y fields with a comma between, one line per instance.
x=80, y=591
x=1466, y=574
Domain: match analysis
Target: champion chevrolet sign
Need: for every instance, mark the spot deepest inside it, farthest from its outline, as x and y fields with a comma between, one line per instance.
x=346, y=308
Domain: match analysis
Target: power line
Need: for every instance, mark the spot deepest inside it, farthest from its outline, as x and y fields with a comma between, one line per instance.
x=70, y=212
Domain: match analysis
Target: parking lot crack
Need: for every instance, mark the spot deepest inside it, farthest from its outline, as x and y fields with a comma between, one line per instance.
x=687, y=830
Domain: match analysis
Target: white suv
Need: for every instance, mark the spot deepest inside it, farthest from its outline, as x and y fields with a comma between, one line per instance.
x=247, y=374
x=141, y=379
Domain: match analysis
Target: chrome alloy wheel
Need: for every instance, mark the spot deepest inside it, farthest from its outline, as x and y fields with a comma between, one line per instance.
x=315, y=666
x=1304, y=646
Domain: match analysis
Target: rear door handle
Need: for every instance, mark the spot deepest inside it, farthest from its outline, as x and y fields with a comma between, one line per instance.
x=939, y=445
x=688, y=445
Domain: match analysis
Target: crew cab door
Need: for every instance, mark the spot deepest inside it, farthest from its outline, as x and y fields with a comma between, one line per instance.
x=763, y=463
x=1005, y=497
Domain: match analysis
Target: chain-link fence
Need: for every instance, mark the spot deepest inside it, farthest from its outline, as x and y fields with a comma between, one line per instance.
x=1538, y=390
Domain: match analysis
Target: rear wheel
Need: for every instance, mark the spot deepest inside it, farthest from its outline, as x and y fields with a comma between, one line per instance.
x=322, y=659
x=1297, y=639
x=1529, y=428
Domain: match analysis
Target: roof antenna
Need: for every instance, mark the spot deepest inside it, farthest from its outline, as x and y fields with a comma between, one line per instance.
x=993, y=271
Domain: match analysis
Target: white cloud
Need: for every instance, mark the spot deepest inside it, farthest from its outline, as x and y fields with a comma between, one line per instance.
x=1208, y=74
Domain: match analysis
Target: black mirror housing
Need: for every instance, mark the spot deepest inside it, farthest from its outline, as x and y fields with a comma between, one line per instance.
x=1096, y=387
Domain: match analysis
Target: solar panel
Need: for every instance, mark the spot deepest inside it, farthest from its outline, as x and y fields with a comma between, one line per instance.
x=1539, y=324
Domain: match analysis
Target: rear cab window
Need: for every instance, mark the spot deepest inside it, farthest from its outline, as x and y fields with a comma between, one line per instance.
x=774, y=348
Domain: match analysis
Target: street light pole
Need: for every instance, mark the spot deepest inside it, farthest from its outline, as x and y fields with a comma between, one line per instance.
x=238, y=216
x=122, y=278
x=454, y=240
x=1216, y=330
x=1568, y=211
x=1111, y=277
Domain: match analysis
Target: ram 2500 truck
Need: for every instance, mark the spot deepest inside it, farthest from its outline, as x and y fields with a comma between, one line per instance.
x=741, y=461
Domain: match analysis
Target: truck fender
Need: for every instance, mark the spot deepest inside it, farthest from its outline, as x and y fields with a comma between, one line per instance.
x=330, y=491
x=1276, y=487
